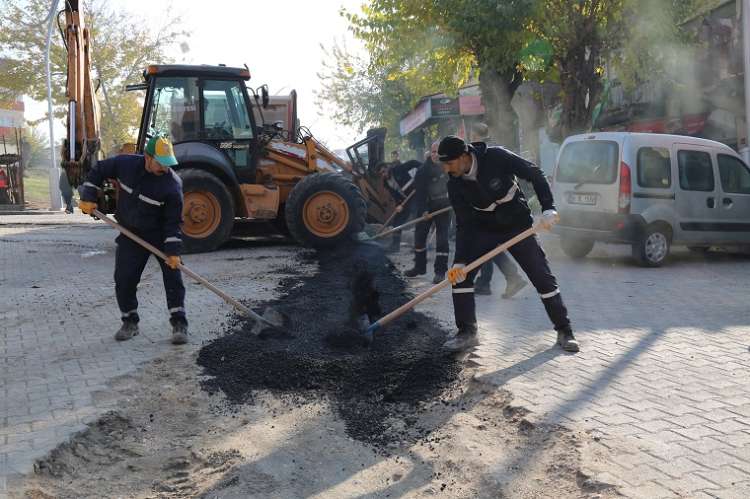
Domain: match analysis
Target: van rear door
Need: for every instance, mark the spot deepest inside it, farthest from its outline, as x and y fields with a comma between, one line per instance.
x=697, y=200
x=586, y=181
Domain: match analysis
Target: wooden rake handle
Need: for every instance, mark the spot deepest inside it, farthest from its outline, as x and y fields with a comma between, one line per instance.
x=412, y=222
x=396, y=211
x=156, y=251
x=382, y=322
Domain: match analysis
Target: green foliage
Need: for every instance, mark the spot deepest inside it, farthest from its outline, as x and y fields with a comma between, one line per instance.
x=360, y=94
x=35, y=147
x=121, y=48
x=582, y=34
x=440, y=46
x=655, y=43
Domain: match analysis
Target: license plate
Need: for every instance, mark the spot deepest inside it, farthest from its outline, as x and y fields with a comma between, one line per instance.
x=575, y=198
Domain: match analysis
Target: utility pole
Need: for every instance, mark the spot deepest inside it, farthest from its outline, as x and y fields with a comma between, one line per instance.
x=55, y=199
x=745, y=151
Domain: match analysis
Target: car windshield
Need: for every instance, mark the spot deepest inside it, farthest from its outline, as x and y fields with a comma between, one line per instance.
x=588, y=162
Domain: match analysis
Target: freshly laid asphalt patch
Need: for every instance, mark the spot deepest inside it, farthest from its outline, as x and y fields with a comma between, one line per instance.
x=373, y=386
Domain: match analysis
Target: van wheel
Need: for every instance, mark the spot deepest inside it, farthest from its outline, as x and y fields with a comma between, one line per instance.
x=652, y=248
x=576, y=248
x=207, y=211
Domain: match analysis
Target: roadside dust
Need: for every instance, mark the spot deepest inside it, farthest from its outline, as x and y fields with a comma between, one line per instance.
x=295, y=416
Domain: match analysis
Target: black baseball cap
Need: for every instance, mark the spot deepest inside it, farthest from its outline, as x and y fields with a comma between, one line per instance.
x=451, y=147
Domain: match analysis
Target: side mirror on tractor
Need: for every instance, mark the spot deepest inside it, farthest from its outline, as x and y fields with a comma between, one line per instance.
x=264, y=96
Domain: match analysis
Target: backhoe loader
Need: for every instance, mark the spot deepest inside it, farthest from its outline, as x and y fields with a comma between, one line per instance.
x=231, y=168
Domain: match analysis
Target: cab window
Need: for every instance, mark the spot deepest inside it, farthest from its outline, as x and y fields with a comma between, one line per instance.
x=589, y=162
x=696, y=173
x=174, y=111
x=654, y=168
x=735, y=177
x=225, y=115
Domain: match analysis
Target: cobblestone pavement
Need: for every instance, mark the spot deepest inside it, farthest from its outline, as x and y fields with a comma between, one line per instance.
x=58, y=314
x=661, y=382
x=663, y=377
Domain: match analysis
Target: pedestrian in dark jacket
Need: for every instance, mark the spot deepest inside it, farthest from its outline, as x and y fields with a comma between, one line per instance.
x=66, y=192
x=149, y=203
x=483, y=283
x=399, y=181
x=430, y=184
x=491, y=209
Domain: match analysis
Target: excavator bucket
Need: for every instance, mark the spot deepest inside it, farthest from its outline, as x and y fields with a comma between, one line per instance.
x=82, y=143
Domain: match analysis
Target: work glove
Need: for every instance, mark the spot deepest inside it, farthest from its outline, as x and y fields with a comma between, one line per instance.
x=456, y=274
x=87, y=207
x=549, y=218
x=173, y=261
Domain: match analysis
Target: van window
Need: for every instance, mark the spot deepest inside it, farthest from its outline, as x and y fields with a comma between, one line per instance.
x=589, y=162
x=696, y=173
x=735, y=177
x=654, y=168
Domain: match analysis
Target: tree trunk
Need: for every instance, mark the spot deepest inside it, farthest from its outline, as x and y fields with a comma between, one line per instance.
x=498, y=88
x=581, y=85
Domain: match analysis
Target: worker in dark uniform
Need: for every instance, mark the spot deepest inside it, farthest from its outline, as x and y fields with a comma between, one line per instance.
x=399, y=180
x=483, y=282
x=149, y=203
x=491, y=209
x=431, y=185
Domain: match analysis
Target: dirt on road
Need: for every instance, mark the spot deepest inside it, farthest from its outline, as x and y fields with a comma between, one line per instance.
x=313, y=413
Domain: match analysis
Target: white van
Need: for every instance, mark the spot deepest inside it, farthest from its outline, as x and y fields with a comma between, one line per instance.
x=650, y=191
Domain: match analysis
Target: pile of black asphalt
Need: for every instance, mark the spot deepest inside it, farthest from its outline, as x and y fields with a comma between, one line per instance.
x=377, y=389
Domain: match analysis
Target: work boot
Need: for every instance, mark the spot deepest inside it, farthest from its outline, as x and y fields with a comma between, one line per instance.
x=482, y=289
x=126, y=331
x=439, y=277
x=414, y=272
x=512, y=287
x=465, y=339
x=566, y=340
x=179, y=333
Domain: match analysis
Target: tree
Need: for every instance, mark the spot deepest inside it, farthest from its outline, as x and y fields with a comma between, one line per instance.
x=582, y=33
x=360, y=94
x=35, y=147
x=121, y=48
x=439, y=46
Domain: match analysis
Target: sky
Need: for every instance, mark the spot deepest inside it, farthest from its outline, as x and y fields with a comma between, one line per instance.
x=279, y=41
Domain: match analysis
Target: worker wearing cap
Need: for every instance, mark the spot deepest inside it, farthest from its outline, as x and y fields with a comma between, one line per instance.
x=491, y=209
x=149, y=203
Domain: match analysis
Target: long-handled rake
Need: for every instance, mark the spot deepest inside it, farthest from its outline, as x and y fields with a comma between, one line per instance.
x=384, y=321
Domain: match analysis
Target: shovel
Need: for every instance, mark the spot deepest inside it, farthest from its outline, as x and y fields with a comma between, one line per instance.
x=412, y=222
x=382, y=322
x=271, y=319
x=397, y=211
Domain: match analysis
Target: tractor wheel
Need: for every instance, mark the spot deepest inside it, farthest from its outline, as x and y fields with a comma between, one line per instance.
x=324, y=209
x=208, y=211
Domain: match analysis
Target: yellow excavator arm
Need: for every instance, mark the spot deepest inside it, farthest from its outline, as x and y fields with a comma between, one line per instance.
x=83, y=141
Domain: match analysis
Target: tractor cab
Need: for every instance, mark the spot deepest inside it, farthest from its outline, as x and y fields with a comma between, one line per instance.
x=206, y=112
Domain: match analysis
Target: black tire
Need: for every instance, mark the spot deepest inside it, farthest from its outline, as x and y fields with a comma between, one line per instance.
x=576, y=248
x=652, y=248
x=325, y=209
x=206, y=196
